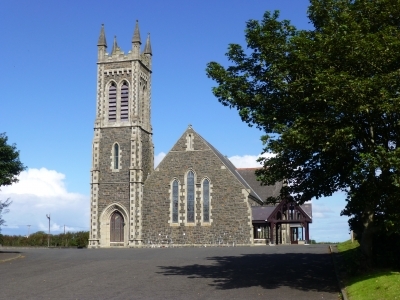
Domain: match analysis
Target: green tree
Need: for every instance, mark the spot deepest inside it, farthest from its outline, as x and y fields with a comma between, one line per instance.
x=3, y=210
x=10, y=168
x=10, y=165
x=328, y=100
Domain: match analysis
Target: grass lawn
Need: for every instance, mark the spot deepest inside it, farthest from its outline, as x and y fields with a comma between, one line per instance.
x=375, y=284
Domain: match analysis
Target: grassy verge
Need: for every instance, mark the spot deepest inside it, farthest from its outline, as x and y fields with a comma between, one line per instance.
x=373, y=284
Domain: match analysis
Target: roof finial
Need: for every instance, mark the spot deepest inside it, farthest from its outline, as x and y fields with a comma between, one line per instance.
x=136, y=34
x=102, y=37
x=147, y=48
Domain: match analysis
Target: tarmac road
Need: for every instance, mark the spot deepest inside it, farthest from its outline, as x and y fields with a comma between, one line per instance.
x=262, y=272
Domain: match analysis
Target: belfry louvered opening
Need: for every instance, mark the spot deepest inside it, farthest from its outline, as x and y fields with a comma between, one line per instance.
x=124, y=101
x=112, y=103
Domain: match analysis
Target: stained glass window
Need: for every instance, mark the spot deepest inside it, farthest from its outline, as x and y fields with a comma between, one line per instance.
x=190, y=197
x=116, y=156
x=175, y=201
x=206, y=201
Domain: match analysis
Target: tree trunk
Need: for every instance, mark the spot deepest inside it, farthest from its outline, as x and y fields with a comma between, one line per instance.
x=367, y=238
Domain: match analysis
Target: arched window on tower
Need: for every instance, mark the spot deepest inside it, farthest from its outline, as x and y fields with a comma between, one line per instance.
x=190, y=196
x=175, y=202
x=206, y=200
x=124, y=101
x=116, y=156
x=112, y=102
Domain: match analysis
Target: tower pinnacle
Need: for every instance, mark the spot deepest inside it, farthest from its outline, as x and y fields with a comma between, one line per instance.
x=115, y=47
x=102, y=37
x=136, y=34
x=147, y=48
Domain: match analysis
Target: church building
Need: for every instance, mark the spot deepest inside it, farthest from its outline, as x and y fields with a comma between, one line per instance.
x=195, y=196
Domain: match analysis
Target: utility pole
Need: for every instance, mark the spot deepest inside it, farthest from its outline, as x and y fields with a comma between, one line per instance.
x=48, y=236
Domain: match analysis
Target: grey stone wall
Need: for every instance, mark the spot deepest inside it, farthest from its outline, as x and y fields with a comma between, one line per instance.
x=117, y=65
x=229, y=210
x=147, y=154
x=114, y=186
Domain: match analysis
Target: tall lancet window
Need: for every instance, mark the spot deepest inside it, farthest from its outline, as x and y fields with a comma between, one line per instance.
x=124, y=101
x=112, y=103
x=175, y=201
x=206, y=201
x=190, y=196
x=116, y=156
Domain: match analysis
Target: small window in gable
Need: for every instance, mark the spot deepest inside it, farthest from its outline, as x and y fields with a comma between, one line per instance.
x=190, y=197
x=206, y=200
x=124, y=101
x=116, y=156
x=189, y=142
x=112, y=103
x=175, y=202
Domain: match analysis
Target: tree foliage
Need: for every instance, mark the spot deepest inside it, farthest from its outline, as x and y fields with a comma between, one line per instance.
x=39, y=239
x=10, y=168
x=3, y=210
x=10, y=165
x=328, y=100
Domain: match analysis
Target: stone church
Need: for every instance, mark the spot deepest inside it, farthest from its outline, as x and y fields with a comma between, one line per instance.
x=195, y=196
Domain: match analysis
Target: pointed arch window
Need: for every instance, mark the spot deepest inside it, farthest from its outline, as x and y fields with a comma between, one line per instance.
x=206, y=200
x=124, y=101
x=116, y=156
x=112, y=102
x=190, y=196
x=175, y=202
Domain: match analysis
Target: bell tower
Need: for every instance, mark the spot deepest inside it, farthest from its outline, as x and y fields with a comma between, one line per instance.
x=123, y=151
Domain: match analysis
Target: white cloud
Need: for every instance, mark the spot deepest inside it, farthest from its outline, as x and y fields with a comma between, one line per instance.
x=40, y=192
x=248, y=161
x=158, y=158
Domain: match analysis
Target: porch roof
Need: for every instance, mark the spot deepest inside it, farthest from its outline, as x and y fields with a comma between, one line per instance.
x=261, y=213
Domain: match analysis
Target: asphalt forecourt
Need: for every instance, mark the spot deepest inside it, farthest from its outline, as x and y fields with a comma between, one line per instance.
x=263, y=272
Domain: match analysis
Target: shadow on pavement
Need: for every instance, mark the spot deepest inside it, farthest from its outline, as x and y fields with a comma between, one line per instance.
x=299, y=271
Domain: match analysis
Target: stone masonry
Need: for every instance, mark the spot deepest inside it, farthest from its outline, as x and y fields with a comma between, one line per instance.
x=230, y=220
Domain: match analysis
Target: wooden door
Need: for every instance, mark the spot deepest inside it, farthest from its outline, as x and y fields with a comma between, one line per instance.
x=117, y=227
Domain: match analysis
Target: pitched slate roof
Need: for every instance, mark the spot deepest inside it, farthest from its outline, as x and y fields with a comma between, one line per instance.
x=261, y=213
x=263, y=191
x=307, y=207
x=229, y=165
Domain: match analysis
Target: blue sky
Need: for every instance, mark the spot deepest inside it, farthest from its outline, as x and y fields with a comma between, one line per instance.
x=48, y=84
